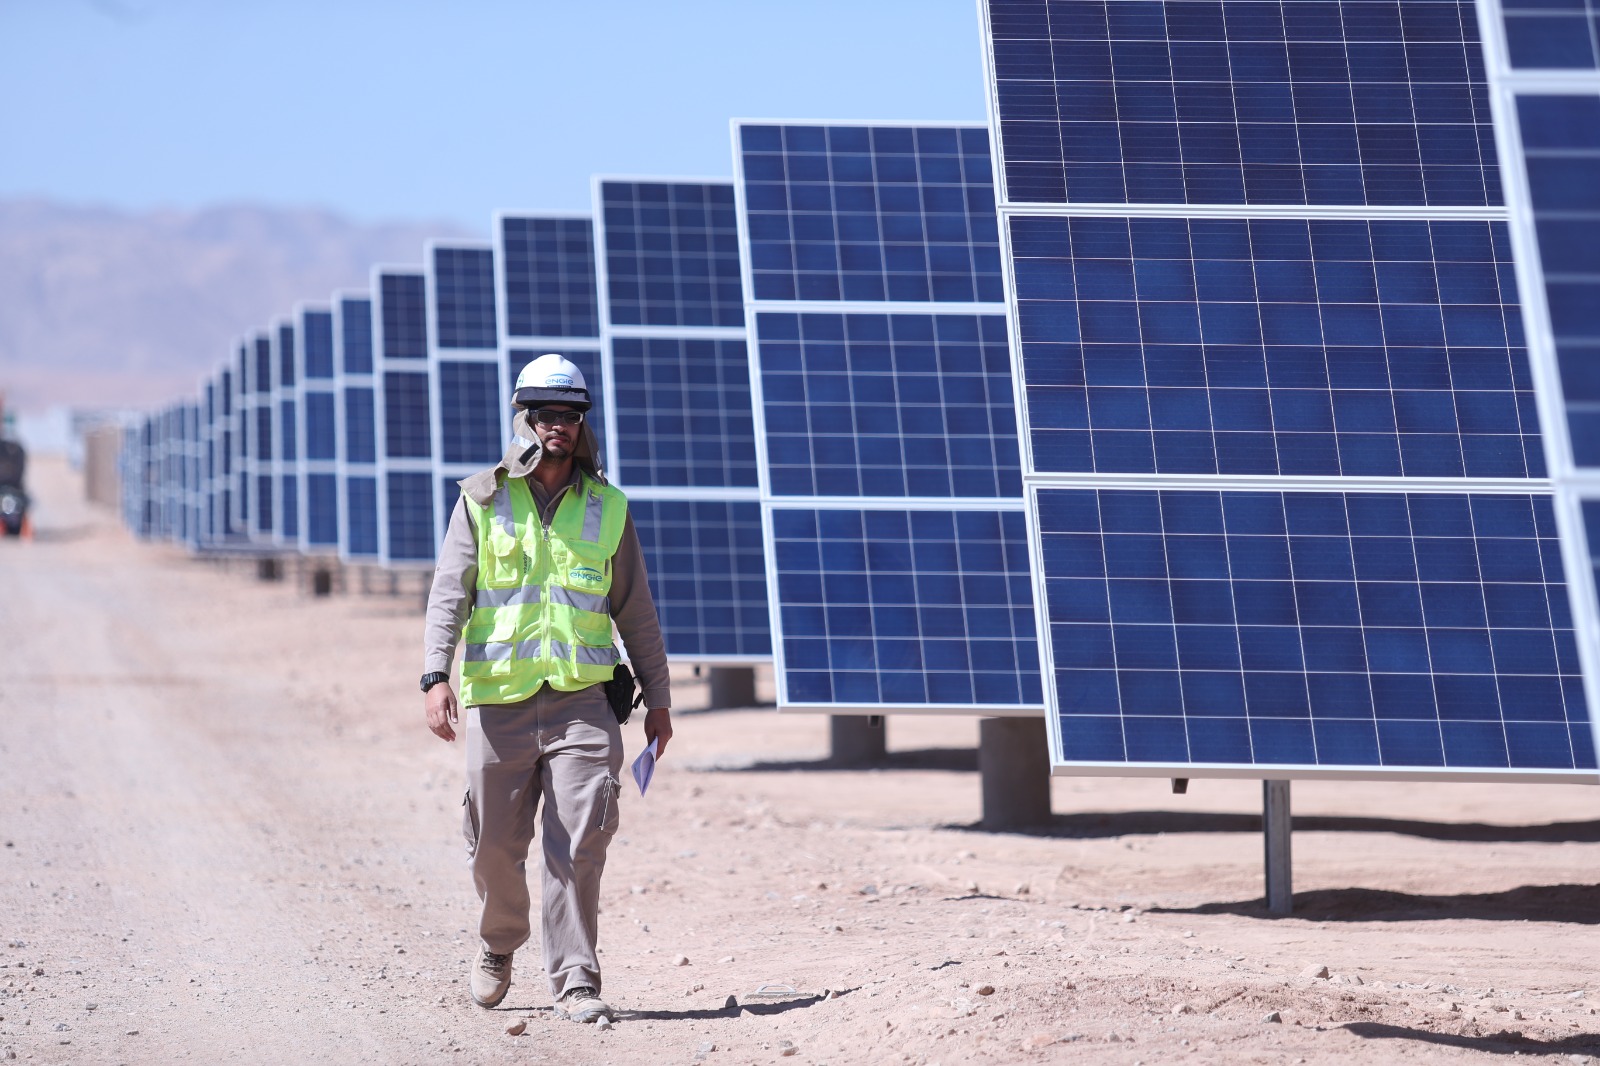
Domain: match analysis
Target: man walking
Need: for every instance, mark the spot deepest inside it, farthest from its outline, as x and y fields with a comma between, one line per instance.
x=540, y=559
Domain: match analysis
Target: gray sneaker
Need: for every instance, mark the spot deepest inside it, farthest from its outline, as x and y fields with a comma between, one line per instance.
x=583, y=1004
x=491, y=976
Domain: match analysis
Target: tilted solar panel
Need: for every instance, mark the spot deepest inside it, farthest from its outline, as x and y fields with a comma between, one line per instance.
x=1281, y=448
x=318, y=471
x=469, y=413
x=887, y=439
x=680, y=437
x=548, y=266
x=1543, y=67
x=355, y=432
x=405, y=480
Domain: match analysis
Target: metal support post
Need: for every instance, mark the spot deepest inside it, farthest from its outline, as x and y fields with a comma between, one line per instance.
x=857, y=741
x=1014, y=769
x=1276, y=826
x=733, y=686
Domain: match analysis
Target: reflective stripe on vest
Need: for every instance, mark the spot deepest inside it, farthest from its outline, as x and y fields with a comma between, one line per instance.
x=541, y=614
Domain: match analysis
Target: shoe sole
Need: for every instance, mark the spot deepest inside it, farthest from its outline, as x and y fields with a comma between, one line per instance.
x=585, y=1017
x=489, y=1003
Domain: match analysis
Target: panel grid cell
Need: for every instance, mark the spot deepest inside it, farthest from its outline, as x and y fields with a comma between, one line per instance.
x=361, y=512
x=410, y=516
x=1273, y=346
x=550, y=277
x=360, y=426
x=469, y=405
x=1552, y=34
x=1359, y=630
x=405, y=415
x=707, y=575
x=355, y=339
x=1243, y=102
x=870, y=213
x=683, y=413
x=404, y=306
x=881, y=606
x=464, y=300
x=320, y=427
x=316, y=328
x=888, y=405
x=671, y=254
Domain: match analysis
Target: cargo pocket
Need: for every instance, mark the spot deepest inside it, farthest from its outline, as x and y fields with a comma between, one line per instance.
x=469, y=823
x=610, y=805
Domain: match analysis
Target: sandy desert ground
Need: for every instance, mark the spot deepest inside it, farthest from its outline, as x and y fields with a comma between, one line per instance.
x=225, y=836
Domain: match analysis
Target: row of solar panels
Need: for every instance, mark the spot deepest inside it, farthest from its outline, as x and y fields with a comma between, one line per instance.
x=1205, y=420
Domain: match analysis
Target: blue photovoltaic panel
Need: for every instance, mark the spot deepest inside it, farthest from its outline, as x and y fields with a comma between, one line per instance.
x=549, y=277
x=286, y=375
x=290, y=486
x=469, y=407
x=316, y=328
x=884, y=606
x=355, y=325
x=263, y=365
x=322, y=509
x=707, y=575
x=464, y=303
x=320, y=423
x=263, y=449
x=1315, y=629
x=286, y=420
x=1367, y=102
x=1552, y=34
x=671, y=254
x=1273, y=346
x=405, y=414
x=683, y=412
x=405, y=315
x=888, y=405
x=361, y=512
x=1561, y=144
x=360, y=430
x=870, y=213
x=410, y=516
x=586, y=360
x=263, y=507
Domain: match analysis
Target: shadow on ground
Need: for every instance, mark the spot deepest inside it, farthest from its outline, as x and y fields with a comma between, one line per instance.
x=1501, y=1043
x=958, y=760
x=1573, y=904
x=1097, y=824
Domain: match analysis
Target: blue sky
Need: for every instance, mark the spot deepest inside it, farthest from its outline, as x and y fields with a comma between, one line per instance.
x=441, y=110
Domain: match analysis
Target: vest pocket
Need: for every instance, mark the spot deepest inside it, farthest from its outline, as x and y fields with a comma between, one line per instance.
x=487, y=649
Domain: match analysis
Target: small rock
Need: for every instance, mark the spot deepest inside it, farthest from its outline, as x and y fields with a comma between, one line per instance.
x=1188, y=934
x=1453, y=1008
x=680, y=960
x=1129, y=918
x=91, y=1006
x=725, y=958
x=830, y=994
x=1274, y=1017
x=602, y=1022
x=731, y=1003
x=692, y=989
x=984, y=990
x=1039, y=1040
x=1315, y=972
x=1575, y=995
x=787, y=1048
x=705, y=1049
x=1182, y=1008
x=1516, y=1015
x=131, y=1032
x=38, y=971
x=517, y=1028
x=868, y=890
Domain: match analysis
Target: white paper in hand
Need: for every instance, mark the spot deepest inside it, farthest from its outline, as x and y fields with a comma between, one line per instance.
x=644, y=767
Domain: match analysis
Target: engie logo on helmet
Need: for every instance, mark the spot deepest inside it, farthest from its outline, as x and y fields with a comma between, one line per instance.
x=585, y=575
x=558, y=381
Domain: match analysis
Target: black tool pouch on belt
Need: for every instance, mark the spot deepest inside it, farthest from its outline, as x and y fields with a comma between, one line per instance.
x=620, y=693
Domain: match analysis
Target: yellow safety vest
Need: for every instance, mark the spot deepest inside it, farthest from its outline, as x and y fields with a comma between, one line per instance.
x=540, y=614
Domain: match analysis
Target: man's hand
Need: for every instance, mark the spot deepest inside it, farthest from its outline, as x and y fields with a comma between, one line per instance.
x=657, y=727
x=443, y=712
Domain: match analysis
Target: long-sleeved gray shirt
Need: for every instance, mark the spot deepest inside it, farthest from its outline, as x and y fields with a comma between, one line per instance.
x=633, y=609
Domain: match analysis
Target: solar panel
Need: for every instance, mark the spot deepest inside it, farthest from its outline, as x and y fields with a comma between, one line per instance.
x=1542, y=63
x=680, y=437
x=262, y=451
x=318, y=469
x=402, y=405
x=243, y=414
x=286, y=463
x=465, y=368
x=355, y=429
x=887, y=443
x=1287, y=493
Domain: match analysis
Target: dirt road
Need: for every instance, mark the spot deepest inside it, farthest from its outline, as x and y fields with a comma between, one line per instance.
x=225, y=836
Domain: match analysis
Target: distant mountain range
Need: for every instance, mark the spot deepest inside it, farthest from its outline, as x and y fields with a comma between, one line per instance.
x=110, y=309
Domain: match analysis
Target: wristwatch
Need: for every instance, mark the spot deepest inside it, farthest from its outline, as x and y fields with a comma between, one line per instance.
x=435, y=678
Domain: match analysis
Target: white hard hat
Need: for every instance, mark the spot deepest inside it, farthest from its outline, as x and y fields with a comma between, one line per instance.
x=551, y=378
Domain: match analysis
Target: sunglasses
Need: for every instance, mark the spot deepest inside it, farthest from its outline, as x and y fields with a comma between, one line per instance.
x=547, y=417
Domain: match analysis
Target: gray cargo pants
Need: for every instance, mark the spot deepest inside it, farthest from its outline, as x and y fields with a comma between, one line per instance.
x=567, y=748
